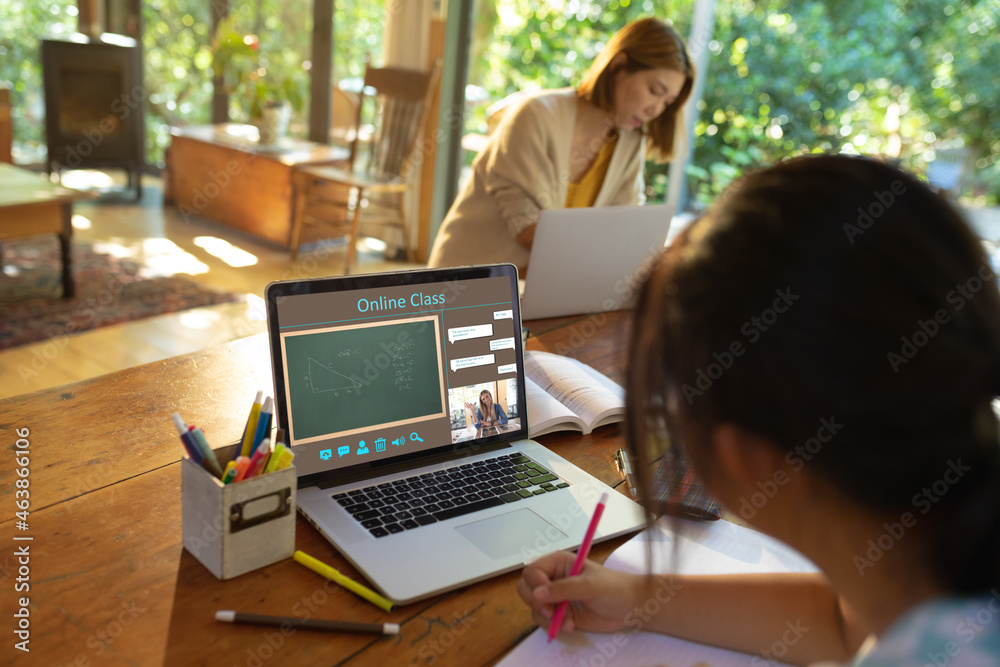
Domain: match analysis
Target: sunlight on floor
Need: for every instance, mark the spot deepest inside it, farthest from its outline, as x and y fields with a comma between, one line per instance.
x=159, y=257
x=199, y=318
x=81, y=222
x=256, y=308
x=226, y=251
x=370, y=243
x=86, y=180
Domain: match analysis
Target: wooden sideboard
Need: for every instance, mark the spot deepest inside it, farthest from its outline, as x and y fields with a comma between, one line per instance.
x=6, y=127
x=221, y=173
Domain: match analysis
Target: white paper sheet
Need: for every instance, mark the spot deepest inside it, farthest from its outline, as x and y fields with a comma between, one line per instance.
x=715, y=547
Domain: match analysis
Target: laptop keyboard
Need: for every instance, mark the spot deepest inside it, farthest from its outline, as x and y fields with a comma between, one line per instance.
x=405, y=504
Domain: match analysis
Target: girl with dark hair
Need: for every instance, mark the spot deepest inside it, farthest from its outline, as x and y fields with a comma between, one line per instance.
x=574, y=147
x=854, y=320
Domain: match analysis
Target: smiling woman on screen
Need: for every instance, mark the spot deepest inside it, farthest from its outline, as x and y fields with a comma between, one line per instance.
x=573, y=147
x=487, y=413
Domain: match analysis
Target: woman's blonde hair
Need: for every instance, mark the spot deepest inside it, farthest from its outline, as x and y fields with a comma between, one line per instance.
x=488, y=413
x=648, y=43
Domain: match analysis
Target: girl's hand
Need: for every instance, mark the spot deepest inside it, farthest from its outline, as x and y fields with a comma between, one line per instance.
x=600, y=599
x=470, y=407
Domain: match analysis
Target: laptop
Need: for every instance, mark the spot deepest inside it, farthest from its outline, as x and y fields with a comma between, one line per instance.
x=592, y=260
x=379, y=380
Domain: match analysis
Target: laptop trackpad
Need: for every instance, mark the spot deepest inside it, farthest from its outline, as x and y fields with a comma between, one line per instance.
x=521, y=531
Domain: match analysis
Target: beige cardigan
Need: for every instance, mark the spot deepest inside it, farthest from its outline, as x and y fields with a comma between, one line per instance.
x=523, y=169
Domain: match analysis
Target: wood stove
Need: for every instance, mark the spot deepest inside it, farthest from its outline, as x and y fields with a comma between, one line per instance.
x=94, y=104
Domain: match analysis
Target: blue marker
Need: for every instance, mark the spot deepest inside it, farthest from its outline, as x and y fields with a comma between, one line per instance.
x=263, y=423
x=187, y=438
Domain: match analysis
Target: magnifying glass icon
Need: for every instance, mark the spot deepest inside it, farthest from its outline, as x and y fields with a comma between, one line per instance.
x=414, y=436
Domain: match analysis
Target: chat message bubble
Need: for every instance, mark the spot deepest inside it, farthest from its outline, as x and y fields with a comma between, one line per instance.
x=506, y=368
x=464, y=333
x=503, y=315
x=501, y=344
x=343, y=449
x=471, y=362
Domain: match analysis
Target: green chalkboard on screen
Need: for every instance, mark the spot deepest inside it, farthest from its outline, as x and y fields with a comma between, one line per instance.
x=349, y=378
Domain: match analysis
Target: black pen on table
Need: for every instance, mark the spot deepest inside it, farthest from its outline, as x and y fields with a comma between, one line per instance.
x=625, y=467
x=229, y=616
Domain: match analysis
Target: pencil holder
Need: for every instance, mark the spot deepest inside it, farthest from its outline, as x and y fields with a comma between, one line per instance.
x=238, y=527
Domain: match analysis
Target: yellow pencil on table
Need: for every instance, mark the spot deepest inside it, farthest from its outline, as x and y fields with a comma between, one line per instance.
x=322, y=569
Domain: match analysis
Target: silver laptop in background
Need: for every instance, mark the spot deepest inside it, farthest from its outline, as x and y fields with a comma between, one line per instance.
x=372, y=377
x=592, y=260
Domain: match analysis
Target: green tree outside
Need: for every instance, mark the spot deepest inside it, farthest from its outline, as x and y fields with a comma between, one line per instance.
x=897, y=78
x=894, y=78
x=178, y=57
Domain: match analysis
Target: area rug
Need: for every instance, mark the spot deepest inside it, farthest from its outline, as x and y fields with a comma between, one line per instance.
x=109, y=290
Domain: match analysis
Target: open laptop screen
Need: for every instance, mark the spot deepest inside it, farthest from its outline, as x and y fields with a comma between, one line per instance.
x=379, y=369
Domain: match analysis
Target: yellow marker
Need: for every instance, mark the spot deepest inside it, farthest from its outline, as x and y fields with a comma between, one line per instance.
x=325, y=570
x=285, y=460
x=272, y=462
x=251, y=428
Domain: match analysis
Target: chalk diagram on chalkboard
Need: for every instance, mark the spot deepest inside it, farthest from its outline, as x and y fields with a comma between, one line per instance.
x=346, y=379
x=323, y=377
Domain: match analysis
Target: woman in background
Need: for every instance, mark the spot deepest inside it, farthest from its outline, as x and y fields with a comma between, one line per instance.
x=884, y=349
x=573, y=147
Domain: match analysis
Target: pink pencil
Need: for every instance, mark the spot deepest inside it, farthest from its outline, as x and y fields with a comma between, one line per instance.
x=577, y=568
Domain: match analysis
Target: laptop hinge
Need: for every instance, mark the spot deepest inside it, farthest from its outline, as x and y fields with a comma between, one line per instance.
x=394, y=468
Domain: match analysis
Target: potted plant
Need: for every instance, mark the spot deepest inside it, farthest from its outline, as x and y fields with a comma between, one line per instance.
x=269, y=90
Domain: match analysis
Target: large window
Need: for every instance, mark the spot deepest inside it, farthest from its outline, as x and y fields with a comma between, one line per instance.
x=178, y=57
x=178, y=68
x=22, y=25
x=523, y=45
x=894, y=78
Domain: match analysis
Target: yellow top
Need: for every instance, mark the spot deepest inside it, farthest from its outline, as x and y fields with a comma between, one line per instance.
x=583, y=193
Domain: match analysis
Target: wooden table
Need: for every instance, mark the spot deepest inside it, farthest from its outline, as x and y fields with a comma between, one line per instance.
x=221, y=173
x=110, y=583
x=30, y=205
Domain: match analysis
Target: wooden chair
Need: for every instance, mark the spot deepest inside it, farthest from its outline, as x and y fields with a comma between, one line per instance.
x=333, y=199
x=344, y=117
x=475, y=142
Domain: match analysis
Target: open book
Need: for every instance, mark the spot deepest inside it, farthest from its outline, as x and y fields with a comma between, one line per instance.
x=567, y=395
